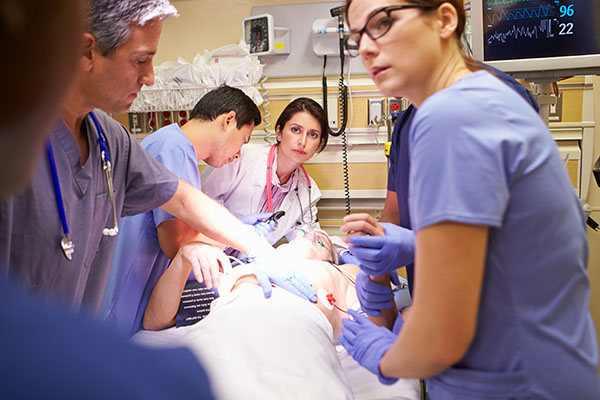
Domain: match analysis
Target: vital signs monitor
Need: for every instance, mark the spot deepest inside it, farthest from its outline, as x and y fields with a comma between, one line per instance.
x=537, y=36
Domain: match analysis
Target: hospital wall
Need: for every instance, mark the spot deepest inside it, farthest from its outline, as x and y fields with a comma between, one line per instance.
x=208, y=25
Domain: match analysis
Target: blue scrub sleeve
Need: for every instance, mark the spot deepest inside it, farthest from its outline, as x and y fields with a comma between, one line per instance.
x=457, y=166
x=391, y=182
x=148, y=183
x=185, y=167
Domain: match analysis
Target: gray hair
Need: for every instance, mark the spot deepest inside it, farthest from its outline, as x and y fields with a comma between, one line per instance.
x=111, y=21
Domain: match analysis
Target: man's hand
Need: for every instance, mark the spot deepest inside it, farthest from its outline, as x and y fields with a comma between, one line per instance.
x=272, y=269
x=206, y=262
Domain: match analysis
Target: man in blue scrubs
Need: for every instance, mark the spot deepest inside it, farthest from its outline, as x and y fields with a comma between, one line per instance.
x=116, y=61
x=220, y=123
x=47, y=353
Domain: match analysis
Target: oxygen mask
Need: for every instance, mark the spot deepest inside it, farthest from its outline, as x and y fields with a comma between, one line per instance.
x=306, y=232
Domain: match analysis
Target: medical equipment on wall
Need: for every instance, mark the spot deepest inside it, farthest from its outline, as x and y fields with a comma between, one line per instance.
x=338, y=14
x=66, y=243
x=269, y=178
x=263, y=37
x=180, y=84
x=325, y=34
x=378, y=117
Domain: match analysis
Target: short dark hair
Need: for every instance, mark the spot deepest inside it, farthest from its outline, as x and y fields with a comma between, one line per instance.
x=223, y=100
x=304, y=104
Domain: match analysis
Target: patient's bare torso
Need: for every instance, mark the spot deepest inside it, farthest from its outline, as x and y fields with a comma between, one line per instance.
x=322, y=275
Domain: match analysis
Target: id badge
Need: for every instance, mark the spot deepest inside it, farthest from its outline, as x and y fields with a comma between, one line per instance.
x=195, y=303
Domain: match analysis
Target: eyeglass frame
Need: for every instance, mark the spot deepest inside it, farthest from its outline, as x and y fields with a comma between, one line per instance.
x=388, y=10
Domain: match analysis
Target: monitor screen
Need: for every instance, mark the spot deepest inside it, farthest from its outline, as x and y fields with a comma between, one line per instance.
x=537, y=35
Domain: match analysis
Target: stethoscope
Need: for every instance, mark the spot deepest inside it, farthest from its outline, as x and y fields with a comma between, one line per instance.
x=270, y=162
x=66, y=243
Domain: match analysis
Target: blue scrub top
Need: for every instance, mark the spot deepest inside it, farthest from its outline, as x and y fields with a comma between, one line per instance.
x=480, y=155
x=138, y=261
x=399, y=167
x=30, y=227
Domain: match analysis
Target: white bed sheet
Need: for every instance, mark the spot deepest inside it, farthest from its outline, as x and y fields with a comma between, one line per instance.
x=242, y=362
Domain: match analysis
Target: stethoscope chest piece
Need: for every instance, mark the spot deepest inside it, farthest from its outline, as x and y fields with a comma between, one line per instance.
x=67, y=247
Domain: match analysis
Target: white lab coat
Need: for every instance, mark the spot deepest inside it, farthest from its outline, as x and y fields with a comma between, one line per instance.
x=240, y=185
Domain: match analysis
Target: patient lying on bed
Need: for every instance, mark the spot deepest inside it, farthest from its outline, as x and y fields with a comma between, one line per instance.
x=284, y=346
x=323, y=273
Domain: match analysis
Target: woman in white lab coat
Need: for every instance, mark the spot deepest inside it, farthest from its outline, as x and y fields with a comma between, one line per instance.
x=302, y=130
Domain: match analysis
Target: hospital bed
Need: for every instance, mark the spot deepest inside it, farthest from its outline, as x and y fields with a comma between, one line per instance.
x=305, y=364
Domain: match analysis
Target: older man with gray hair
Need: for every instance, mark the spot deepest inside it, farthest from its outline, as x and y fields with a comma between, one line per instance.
x=58, y=236
x=46, y=352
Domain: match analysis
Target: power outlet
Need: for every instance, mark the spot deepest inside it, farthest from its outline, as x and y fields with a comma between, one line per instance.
x=136, y=121
x=375, y=112
x=394, y=107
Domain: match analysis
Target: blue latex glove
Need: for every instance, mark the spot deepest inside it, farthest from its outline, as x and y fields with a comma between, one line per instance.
x=349, y=258
x=372, y=296
x=367, y=343
x=399, y=322
x=269, y=269
x=284, y=277
x=261, y=227
x=379, y=255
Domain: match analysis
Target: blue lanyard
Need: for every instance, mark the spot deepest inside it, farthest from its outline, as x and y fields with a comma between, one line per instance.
x=66, y=242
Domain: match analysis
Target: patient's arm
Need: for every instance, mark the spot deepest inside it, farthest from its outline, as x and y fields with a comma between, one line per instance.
x=204, y=259
x=388, y=316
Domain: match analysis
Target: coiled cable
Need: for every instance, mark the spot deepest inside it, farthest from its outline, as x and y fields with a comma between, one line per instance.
x=343, y=110
x=266, y=112
x=346, y=172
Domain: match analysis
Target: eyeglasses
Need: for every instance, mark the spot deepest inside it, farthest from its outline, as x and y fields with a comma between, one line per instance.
x=378, y=24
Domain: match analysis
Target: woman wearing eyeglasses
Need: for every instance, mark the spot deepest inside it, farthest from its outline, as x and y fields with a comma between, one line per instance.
x=501, y=292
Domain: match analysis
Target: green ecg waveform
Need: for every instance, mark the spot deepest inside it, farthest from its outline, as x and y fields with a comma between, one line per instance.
x=500, y=2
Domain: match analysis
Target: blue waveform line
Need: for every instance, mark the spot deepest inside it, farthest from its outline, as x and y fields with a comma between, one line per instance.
x=502, y=2
x=545, y=26
x=523, y=13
